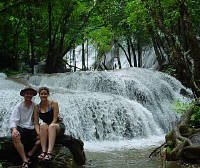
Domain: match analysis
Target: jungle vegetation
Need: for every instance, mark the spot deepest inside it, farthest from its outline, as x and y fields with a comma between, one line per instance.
x=32, y=31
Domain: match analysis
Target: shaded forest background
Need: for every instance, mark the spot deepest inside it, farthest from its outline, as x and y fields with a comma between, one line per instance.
x=33, y=31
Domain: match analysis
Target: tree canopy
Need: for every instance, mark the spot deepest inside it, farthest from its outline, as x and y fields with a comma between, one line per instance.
x=32, y=31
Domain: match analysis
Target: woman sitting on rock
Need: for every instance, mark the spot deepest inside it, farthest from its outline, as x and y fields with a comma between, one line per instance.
x=52, y=125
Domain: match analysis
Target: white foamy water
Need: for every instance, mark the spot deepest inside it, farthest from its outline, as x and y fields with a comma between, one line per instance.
x=137, y=143
x=109, y=59
x=3, y=76
x=123, y=107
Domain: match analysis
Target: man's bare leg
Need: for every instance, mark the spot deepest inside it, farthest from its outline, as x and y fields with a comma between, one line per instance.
x=19, y=147
x=35, y=148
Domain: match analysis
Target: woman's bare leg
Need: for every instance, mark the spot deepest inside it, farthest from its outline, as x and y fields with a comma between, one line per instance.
x=53, y=130
x=43, y=136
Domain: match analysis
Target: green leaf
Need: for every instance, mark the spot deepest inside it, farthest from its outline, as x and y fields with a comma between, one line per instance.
x=193, y=117
x=168, y=149
x=182, y=107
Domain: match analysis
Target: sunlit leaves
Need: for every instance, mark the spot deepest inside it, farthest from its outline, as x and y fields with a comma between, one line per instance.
x=109, y=20
x=182, y=107
x=13, y=20
x=137, y=14
x=101, y=38
x=169, y=3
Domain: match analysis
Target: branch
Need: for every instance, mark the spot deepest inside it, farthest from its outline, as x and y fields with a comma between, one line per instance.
x=122, y=49
x=71, y=65
x=80, y=28
x=156, y=150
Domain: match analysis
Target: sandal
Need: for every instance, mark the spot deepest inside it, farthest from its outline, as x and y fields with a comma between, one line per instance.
x=42, y=155
x=48, y=157
x=25, y=165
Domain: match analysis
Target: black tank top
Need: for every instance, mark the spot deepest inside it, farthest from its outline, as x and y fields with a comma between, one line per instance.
x=46, y=117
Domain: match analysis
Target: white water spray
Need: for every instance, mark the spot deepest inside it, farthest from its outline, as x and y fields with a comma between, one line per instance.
x=105, y=106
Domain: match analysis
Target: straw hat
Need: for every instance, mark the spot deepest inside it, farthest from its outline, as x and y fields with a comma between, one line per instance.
x=28, y=88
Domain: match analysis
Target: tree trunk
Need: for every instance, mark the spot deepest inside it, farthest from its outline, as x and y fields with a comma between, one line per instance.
x=87, y=53
x=124, y=52
x=194, y=48
x=156, y=47
x=74, y=58
x=129, y=52
x=191, y=80
x=31, y=39
x=50, y=61
x=83, y=57
x=183, y=142
x=182, y=139
x=134, y=54
x=15, y=56
x=70, y=58
x=117, y=56
x=85, y=20
x=139, y=49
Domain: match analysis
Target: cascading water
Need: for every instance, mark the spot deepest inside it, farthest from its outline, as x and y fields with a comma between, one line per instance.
x=109, y=59
x=107, y=105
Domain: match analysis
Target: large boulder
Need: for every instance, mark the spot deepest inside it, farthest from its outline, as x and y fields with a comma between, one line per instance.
x=68, y=152
x=192, y=153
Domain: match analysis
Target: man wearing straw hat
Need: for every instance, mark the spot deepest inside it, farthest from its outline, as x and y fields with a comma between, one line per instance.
x=22, y=129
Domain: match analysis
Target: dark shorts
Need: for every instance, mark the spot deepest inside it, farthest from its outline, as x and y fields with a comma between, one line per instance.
x=62, y=128
x=28, y=137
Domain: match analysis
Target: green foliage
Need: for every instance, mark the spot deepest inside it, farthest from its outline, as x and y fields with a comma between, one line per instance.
x=194, y=11
x=25, y=68
x=102, y=38
x=195, y=118
x=138, y=19
x=169, y=70
x=137, y=15
x=9, y=72
x=72, y=23
x=168, y=149
x=182, y=107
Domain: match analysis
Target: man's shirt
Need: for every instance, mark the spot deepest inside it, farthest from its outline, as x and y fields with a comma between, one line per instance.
x=22, y=116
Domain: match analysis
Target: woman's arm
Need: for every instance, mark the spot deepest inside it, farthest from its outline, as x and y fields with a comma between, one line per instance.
x=55, y=111
x=36, y=119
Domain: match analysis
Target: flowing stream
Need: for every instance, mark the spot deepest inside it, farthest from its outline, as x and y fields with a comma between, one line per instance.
x=120, y=115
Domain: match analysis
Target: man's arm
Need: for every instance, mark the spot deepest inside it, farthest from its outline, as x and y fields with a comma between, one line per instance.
x=15, y=117
x=14, y=121
x=36, y=119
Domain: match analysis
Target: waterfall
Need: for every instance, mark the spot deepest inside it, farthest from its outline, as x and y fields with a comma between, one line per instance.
x=105, y=105
x=109, y=58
